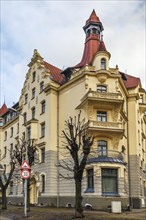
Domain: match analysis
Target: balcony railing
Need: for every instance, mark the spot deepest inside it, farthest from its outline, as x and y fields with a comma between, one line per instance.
x=102, y=124
x=103, y=95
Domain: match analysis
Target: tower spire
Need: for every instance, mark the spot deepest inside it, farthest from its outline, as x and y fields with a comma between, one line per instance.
x=93, y=29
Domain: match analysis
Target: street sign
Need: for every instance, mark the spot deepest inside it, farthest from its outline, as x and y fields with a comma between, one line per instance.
x=25, y=165
x=25, y=174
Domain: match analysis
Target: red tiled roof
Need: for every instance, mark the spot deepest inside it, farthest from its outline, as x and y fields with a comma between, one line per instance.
x=3, y=109
x=93, y=18
x=55, y=72
x=131, y=82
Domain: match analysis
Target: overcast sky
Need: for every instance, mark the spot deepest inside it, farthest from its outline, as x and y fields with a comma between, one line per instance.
x=54, y=28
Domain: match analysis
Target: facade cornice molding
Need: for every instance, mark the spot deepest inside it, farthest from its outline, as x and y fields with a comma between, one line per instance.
x=133, y=96
x=50, y=87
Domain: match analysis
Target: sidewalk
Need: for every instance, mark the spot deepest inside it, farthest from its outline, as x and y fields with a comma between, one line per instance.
x=49, y=213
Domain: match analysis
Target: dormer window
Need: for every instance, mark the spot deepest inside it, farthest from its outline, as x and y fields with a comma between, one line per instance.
x=103, y=64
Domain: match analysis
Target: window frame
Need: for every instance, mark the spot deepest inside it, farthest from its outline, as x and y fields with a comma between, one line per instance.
x=102, y=148
x=33, y=112
x=90, y=180
x=101, y=88
x=102, y=116
x=43, y=106
x=43, y=180
x=103, y=64
x=26, y=98
x=33, y=93
x=42, y=155
x=43, y=128
x=107, y=178
x=33, y=76
x=41, y=86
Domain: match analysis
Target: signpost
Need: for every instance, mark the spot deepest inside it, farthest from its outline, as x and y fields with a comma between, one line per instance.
x=25, y=174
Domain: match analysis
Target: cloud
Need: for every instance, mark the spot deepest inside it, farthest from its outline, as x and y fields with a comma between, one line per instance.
x=55, y=29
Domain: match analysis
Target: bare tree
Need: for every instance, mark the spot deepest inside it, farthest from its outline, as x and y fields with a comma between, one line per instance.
x=78, y=143
x=16, y=158
x=5, y=180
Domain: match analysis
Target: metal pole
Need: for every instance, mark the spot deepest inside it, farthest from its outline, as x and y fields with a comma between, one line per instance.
x=25, y=181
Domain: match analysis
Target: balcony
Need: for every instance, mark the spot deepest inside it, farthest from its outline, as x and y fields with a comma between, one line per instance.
x=110, y=157
x=111, y=128
x=101, y=98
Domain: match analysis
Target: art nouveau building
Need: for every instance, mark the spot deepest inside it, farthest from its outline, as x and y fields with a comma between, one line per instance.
x=115, y=104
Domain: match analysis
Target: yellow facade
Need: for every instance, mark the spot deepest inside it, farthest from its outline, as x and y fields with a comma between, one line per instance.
x=117, y=114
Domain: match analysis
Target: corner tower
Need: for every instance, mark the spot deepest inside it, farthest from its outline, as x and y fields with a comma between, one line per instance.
x=94, y=40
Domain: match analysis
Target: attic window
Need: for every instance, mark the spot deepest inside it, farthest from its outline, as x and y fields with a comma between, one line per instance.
x=103, y=64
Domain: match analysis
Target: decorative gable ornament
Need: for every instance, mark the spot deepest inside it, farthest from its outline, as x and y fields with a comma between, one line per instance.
x=36, y=58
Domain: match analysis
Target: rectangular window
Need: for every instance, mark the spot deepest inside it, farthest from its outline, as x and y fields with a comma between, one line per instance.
x=25, y=117
x=102, y=148
x=90, y=180
x=42, y=130
x=33, y=112
x=33, y=76
x=101, y=116
x=17, y=128
x=12, y=132
x=11, y=188
x=33, y=93
x=41, y=87
x=101, y=89
x=26, y=98
x=42, y=155
x=29, y=133
x=43, y=107
x=5, y=135
x=43, y=183
x=109, y=181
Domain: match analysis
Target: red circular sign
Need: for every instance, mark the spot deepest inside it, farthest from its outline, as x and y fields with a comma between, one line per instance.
x=25, y=174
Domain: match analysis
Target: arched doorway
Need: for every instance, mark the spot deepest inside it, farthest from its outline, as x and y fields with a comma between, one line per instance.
x=33, y=191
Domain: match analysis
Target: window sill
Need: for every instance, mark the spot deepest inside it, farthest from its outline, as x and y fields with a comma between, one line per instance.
x=42, y=137
x=110, y=194
x=90, y=190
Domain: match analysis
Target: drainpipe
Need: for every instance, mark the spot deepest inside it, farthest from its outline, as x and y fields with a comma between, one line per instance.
x=58, y=203
x=129, y=177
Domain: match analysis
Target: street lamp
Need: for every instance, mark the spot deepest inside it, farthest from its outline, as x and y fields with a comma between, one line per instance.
x=25, y=181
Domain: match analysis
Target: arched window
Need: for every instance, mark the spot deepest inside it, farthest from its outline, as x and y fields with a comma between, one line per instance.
x=103, y=64
x=102, y=148
x=43, y=182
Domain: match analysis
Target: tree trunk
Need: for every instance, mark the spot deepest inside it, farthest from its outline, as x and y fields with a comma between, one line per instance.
x=78, y=199
x=4, y=198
